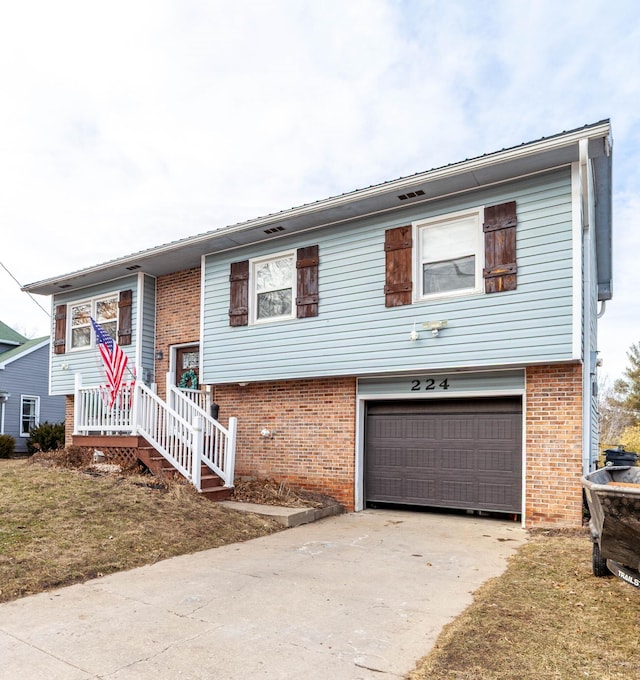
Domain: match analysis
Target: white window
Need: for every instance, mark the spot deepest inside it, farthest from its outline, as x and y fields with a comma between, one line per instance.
x=103, y=310
x=449, y=256
x=273, y=288
x=29, y=414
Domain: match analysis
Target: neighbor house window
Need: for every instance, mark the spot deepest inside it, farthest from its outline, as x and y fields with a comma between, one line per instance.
x=103, y=310
x=29, y=414
x=449, y=255
x=273, y=288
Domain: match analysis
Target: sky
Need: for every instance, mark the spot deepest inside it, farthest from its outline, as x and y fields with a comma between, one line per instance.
x=130, y=124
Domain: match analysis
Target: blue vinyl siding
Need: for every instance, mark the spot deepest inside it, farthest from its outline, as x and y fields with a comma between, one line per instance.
x=87, y=361
x=148, y=329
x=28, y=375
x=355, y=334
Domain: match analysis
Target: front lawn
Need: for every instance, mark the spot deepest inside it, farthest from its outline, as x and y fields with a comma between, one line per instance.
x=547, y=616
x=61, y=526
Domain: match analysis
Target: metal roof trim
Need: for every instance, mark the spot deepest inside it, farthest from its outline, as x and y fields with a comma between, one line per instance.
x=471, y=166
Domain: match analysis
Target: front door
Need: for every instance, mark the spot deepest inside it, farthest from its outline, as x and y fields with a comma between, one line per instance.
x=188, y=366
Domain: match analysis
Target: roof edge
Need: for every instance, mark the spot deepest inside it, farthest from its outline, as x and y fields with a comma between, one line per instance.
x=525, y=149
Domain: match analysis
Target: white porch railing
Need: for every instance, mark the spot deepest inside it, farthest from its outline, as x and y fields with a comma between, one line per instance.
x=181, y=429
x=92, y=413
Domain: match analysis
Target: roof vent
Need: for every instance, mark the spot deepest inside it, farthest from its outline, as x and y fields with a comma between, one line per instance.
x=273, y=230
x=411, y=194
x=132, y=267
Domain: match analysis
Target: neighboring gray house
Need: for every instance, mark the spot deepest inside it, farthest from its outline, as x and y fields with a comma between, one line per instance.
x=429, y=341
x=24, y=386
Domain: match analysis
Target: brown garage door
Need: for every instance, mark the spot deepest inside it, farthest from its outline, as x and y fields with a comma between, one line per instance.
x=454, y=453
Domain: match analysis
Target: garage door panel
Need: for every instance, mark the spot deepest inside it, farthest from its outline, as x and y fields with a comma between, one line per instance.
x=457, y=459
x=424, y=428
x=420, y=488
x=458, y=429
x=460, y=456
x=388, y=428
x=497, y=429
x=458, y=493
x=498, y=461
x=387, y=488
x=499, y=496
x=421, y=459
x=389, y=457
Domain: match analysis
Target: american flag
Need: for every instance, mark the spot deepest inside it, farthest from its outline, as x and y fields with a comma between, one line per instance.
x=114, y=359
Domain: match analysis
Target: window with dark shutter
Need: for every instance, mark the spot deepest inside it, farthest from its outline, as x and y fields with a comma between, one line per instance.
x=398, y=248
x=124, y=317
x=307, y=282
x=239, y=294
x=59, y=342
x=500, y=270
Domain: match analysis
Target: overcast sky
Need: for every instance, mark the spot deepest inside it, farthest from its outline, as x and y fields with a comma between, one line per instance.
x=125, y=125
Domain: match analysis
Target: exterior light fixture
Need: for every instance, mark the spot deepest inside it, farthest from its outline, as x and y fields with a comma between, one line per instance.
x=435, y=326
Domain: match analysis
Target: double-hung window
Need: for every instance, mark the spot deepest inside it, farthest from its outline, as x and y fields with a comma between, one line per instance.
x=29, y=414
x=273, y=288
x=449, y=255
x=103, y=310
x=276, y=287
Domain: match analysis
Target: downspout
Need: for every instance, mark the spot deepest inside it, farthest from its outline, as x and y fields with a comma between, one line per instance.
x=587, y=369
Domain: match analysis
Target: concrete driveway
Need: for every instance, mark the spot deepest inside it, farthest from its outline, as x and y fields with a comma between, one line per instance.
x=357, y=596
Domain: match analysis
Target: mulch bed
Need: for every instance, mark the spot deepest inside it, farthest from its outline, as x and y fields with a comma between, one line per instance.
x=263, y=491
x=271, y=492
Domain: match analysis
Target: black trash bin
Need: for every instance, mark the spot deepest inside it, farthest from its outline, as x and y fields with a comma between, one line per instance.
x=619, y=456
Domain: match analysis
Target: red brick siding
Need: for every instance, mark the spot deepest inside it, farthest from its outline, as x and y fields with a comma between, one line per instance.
x=68, y=419
x=313, y=421
x=554, y=445
x=177, y=316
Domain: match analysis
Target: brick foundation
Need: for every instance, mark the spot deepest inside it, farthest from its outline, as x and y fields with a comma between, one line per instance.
x=313, y=422
x=68, y=419
x=554, y=445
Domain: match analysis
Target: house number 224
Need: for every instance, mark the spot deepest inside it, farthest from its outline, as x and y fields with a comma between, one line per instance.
x=429, y=384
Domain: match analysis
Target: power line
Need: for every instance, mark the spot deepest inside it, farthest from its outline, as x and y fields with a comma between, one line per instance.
x=29, y=294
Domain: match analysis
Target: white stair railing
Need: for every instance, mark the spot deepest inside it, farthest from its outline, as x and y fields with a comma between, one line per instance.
x=181, y=430
x=169, y=433
x=218, y=442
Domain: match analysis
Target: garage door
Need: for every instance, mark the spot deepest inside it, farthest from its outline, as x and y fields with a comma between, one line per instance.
x=454, y=453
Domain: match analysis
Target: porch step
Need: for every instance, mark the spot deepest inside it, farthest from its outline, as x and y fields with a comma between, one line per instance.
x=217, y=493
x=211, y=485
x=158, y=465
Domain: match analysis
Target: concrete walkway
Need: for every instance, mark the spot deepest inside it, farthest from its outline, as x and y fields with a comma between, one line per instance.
x=358, y=596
